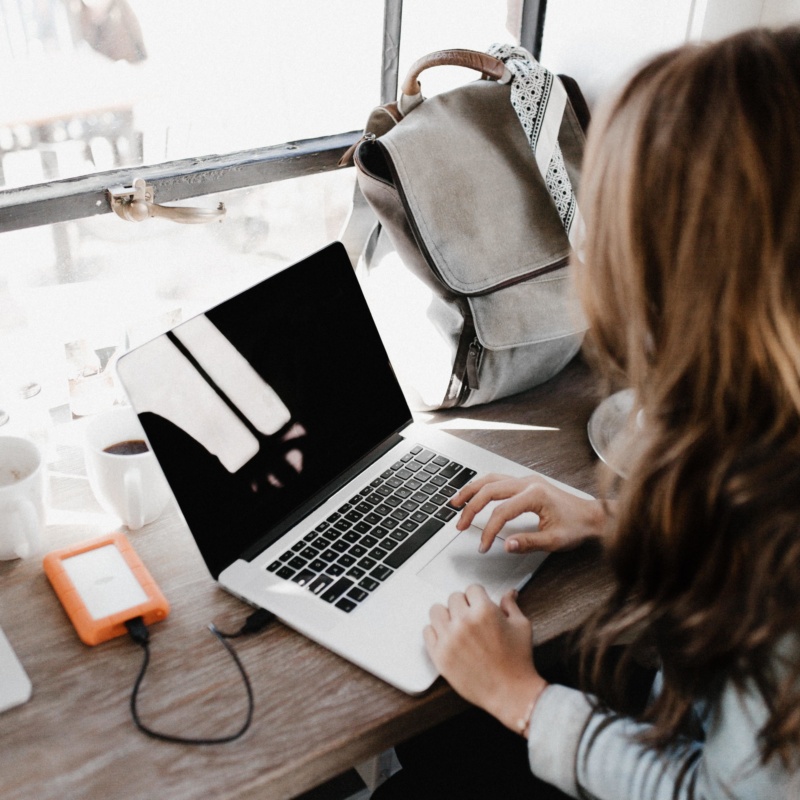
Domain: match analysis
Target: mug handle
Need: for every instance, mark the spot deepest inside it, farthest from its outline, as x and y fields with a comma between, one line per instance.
x=134, y=500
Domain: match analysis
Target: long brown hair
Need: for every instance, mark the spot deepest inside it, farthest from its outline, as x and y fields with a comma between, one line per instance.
x=690, y=280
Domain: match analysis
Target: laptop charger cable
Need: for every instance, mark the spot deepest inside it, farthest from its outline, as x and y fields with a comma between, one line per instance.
x=138, y=631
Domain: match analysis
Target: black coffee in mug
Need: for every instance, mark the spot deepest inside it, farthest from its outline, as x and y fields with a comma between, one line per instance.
x=130, y=447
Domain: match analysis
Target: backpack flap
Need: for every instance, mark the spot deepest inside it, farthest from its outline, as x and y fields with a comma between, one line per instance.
x=473, y=194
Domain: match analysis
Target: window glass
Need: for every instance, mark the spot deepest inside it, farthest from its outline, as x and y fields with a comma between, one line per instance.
x=93, y=85
x=89, y=85
x=446, y=24
x=75, y=295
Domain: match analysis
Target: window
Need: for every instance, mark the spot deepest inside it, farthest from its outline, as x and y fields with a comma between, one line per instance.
x=248, y=103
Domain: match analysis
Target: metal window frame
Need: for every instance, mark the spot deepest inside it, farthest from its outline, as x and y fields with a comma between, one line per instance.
x=75, y=198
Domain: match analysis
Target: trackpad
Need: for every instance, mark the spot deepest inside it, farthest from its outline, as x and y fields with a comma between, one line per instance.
x=459, y=564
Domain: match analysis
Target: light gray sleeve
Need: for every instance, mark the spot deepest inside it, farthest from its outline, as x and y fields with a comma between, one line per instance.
x=569, y=744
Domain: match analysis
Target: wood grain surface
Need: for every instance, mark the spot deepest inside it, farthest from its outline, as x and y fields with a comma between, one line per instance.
x=315, y=714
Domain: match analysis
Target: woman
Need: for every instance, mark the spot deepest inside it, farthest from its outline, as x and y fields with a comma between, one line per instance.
x=690, y=280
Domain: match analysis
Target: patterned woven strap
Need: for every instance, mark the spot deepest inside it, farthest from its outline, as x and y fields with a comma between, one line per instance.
x=539, y=99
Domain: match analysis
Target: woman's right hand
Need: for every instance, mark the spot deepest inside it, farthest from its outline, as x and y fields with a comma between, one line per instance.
x=565, y=520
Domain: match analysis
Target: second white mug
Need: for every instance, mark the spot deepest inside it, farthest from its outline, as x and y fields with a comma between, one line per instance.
x=22, y=486
x=124, y=474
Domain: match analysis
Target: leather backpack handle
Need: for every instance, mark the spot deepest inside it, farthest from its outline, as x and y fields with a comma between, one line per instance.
x=488, y=66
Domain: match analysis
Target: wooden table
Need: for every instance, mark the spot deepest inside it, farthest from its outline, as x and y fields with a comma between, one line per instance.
x=315, y=714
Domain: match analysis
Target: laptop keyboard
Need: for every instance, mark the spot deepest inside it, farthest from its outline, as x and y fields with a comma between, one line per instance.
x=358, y=547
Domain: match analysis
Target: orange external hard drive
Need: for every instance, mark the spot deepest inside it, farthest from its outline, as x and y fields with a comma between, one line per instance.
x=102, y=584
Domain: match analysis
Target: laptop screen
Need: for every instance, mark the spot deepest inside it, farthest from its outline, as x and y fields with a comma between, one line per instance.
x=259, y=404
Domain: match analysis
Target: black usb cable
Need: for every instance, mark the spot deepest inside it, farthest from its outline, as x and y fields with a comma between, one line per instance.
x=138, y=631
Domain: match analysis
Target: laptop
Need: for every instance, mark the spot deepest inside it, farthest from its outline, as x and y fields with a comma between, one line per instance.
x=306, y=484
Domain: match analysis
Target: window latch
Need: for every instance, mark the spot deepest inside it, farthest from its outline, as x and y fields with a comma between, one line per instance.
x=135, y=203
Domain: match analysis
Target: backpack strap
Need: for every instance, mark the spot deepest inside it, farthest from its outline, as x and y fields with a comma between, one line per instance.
x=539, y=99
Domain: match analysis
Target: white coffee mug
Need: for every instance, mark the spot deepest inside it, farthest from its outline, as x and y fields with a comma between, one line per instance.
x=123, y=472
x=21, y=498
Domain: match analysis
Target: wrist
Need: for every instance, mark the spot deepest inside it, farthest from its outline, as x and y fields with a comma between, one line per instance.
x=516, y=708
x=597, y=519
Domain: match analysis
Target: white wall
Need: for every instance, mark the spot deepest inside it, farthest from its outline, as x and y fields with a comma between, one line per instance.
x=780, y=12
x=599, y=42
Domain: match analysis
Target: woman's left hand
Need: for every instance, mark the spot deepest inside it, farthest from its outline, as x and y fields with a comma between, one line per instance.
x=485, y=651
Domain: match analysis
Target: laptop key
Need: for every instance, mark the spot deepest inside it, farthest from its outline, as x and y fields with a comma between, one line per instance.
x=413, y=543
x=451, y=469
x=369, y=584
x=356, y=572
x=285, y=572
x=335, y=570
x=463, y=477
x=337, y=590
x=320, y=583
x=318, y=565
x=445, y=513
x=346, y=604
x=274, y=566
x=358, y=594
x=297, y=563
x=381, y=572
x=304, y=577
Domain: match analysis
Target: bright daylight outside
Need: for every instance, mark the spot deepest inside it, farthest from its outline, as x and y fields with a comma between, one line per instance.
x=97, y=85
